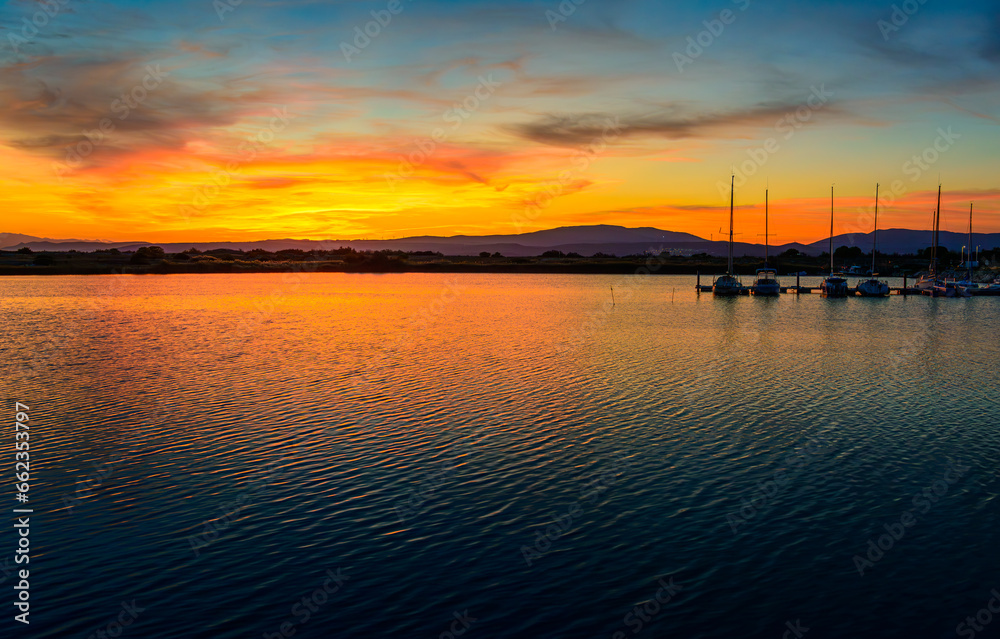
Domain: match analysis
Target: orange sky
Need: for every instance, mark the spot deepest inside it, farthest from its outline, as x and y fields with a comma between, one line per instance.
x=210, y=135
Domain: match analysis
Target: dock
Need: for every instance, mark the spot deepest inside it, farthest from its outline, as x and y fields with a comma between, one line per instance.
x=803, y=290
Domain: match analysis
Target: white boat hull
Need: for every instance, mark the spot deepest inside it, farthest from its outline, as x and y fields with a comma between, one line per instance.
x=872, y=288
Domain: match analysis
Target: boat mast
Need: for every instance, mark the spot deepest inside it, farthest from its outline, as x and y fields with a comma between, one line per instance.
x=831, y=229
x=765, y=228
x=732, y=187
x=875, y=240
x=969, y=278
x=937, y=226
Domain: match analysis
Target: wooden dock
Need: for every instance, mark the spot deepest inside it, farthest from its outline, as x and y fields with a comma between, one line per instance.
x=802, y=290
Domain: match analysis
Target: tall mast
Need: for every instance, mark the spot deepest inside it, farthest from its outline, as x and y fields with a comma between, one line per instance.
x=875, y=240
x=937, y=227
x=732, y=187
x=765, y=228
x=831, y=229
x=970, y=242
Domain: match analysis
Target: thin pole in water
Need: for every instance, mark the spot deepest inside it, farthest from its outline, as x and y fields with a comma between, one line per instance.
x=612, y=295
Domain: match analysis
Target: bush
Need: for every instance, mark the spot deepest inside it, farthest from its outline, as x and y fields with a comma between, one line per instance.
x=291, y=254
x=260, y=254
x=146, y=253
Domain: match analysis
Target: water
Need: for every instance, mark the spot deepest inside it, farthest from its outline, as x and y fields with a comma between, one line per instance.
x=509, y=449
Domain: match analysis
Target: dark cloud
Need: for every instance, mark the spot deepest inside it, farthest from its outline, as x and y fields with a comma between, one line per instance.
x=55, y=103
x=674, y=122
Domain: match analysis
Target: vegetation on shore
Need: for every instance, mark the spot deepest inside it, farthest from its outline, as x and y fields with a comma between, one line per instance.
x=152, y=259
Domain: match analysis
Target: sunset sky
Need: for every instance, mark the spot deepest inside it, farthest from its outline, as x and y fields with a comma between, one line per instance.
x=269, y=119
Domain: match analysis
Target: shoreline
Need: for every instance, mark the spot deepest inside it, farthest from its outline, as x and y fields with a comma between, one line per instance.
x=708, y=267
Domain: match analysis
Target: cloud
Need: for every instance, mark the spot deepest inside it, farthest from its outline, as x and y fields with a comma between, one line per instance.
x=57, y=104
x=674, y=122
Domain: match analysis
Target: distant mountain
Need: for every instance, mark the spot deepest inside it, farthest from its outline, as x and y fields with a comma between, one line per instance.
x=565, y=235
x=585, y=240
x=907, y=241
x=13, y=239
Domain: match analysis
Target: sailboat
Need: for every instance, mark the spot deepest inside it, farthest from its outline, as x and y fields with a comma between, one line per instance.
x=834, y=285
x=873, y=287
x=967, y=286
x=729, y=284
x=930, y=280
x=939, y=287
x=767, y=277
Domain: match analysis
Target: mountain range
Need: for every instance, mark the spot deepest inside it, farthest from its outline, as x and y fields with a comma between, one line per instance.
x=585, y=240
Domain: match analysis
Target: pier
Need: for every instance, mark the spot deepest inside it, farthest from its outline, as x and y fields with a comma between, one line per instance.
x=798, y=289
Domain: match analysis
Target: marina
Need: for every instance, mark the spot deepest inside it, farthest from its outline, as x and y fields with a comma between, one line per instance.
x=835, y=284
x=799, y=289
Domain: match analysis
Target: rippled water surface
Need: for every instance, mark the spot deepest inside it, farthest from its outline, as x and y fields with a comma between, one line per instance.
x=500, y=456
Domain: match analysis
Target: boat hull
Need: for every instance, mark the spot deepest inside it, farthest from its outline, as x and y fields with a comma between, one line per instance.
x=993, y=290
x=726, y=291
x=765, y=290
x=834, y=287
x=872, y=288
x=727, y=286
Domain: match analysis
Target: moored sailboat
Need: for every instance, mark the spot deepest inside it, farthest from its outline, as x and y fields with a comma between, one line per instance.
x=766, y=283
x=728, y=284
x=968, y=286
x=873, y=287
x=834, y=285
x=930, y=280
